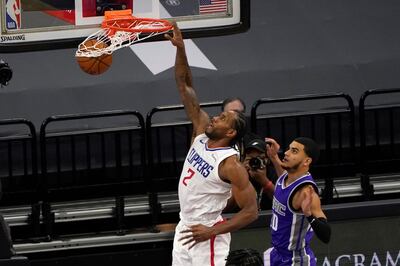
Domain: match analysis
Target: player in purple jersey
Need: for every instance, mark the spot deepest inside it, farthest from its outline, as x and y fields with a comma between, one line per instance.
x=296, y=207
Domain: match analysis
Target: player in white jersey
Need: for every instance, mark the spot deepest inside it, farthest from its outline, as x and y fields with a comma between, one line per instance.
x=211, y=174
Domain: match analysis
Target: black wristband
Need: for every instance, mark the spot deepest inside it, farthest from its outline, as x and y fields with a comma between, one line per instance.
x=311, y=219
x=321, y=228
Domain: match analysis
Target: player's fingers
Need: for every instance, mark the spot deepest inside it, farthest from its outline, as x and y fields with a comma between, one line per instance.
x=185, y=237
x=167, y=36
x=188, y=242
x=188, y=238
x=269, y=140
x=307, y=192
x=177, y=31
x=309, y=195
x=272, y=142
x=310, y=191
x=187, y=234
x=192, y=245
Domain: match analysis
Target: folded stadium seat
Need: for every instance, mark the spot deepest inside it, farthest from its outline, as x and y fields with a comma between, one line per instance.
x=7, y=252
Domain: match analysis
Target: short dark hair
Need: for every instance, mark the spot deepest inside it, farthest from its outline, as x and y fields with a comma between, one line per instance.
x=240, y=126
x=229, y=100
x=310, y=147
x=244, y=257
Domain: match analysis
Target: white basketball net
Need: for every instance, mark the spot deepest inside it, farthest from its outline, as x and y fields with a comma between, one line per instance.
x=118, y=39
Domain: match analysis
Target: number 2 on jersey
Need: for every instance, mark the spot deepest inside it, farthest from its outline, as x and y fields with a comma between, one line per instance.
x=191, y=174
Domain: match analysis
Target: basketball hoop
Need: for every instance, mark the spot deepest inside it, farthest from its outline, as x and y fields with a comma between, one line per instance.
x=120, y=29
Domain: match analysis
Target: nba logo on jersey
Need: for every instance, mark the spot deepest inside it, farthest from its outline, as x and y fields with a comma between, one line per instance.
x=13, y=14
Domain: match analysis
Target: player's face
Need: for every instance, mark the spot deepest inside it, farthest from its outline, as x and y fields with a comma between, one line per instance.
x=221, y=126
x=294, y=157
x=234, y=106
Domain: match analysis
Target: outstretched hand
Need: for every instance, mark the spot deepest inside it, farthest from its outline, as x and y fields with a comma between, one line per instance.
x=272, y=148
x=176, y=39
x=272, y=153
x=197, y=233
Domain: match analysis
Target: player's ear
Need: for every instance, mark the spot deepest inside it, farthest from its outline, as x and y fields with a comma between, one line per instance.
x=231, y=133
x=307, y=161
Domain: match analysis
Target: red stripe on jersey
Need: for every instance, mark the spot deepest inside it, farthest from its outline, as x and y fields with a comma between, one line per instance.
x=212, y=242
x=212, y=246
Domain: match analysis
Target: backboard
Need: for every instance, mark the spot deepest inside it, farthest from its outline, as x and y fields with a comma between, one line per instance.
x=28, y=25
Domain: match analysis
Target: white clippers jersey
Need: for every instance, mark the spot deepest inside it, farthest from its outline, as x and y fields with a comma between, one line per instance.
x=202, y=193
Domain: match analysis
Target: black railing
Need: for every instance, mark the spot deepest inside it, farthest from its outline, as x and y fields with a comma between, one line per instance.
x=332, y=126
x=19, y=175
x=379, y=135
x=18, y=169
x=92, y=163
x=123, y=155
x=86, y=159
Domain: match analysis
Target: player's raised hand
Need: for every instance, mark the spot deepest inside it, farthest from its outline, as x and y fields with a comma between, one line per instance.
x=272, y=148
x=176, y=39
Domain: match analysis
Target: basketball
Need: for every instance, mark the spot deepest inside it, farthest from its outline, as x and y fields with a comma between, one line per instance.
x=94, y=65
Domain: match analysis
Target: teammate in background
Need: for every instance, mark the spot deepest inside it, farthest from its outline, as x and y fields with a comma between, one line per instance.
x=237, y=104
x=234, y=103
x=296, y=206
x=211, y=173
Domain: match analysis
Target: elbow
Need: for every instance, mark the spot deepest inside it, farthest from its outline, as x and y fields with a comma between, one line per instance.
x=253, y=215
x=249, y=215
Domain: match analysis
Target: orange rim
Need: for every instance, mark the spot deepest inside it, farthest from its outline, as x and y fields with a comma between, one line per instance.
x=125, y=21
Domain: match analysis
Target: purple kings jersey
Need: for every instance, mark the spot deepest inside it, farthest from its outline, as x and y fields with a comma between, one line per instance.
x=290, y=229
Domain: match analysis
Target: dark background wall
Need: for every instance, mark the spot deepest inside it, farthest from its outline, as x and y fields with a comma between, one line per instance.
x=293, y=47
